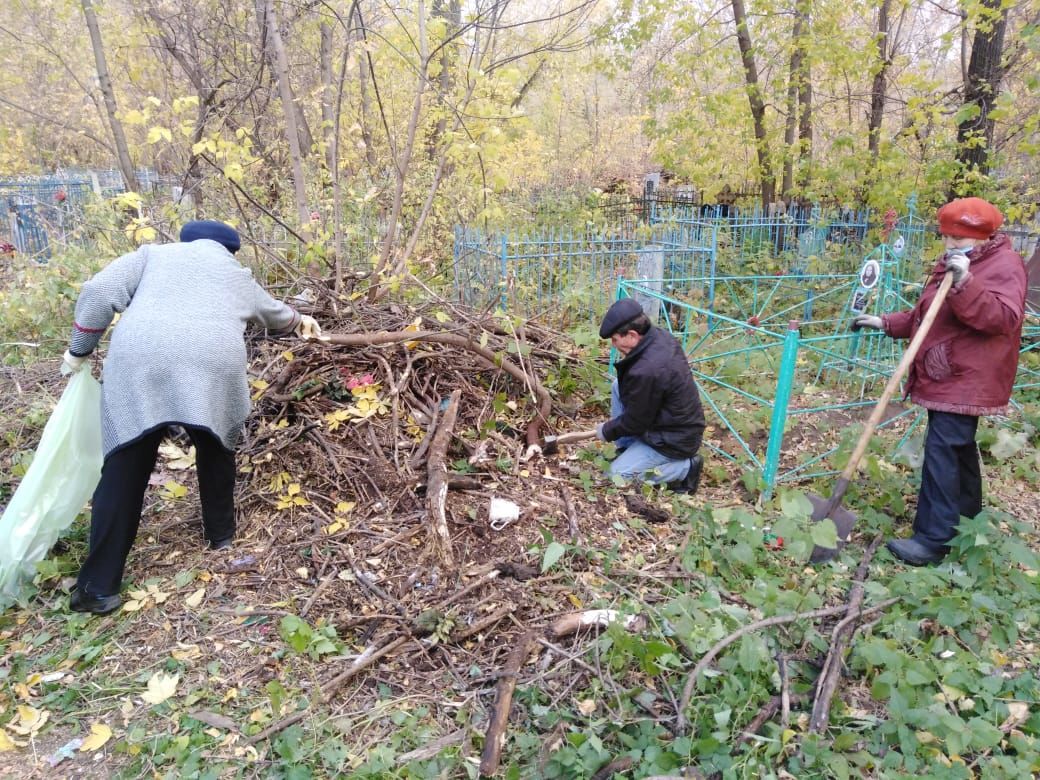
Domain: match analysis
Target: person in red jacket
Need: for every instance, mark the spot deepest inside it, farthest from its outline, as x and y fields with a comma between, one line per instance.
x=964, y=369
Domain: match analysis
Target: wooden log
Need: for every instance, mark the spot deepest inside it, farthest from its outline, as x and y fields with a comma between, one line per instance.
x=437, y=484
x=496, y=731
x=573, y=622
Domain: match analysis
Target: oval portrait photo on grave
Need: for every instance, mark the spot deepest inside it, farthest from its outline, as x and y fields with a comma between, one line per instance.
x=870, y=273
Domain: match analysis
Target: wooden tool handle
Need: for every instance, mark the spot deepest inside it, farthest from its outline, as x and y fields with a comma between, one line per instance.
x=567, y=438
x=897, y=375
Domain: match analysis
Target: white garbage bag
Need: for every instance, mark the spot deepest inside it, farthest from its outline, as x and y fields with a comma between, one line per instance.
x=60, y=479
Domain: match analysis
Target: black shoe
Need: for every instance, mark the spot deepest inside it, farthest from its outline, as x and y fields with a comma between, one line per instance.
x=81, y=601
x=223, y=544
x=914, y=553
x=689, y=484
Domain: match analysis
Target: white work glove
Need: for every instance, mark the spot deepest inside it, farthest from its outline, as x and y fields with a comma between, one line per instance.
x=599, y=432
x=70, y=363
x=867, y=321
x=308, y=328
x=957, y=263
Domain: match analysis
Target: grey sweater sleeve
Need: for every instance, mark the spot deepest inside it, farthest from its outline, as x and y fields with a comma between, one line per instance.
x=271, y=313
x=108, y=292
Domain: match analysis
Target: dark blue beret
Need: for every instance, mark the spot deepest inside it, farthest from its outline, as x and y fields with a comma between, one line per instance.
x=214, y=231
x=619, y=313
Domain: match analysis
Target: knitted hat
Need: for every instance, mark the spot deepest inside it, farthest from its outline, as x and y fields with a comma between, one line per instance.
x=214, y=231
x=969, y=218
x=620, y=313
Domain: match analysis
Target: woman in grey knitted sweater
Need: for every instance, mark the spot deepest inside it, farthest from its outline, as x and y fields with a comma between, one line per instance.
x=177, y=357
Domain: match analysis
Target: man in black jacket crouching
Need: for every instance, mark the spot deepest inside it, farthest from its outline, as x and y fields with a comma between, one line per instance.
x=656, y=417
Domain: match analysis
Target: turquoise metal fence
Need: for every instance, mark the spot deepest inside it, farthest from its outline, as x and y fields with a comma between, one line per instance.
x=573, y=274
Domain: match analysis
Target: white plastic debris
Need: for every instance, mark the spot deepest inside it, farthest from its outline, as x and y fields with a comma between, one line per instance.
x=502, y=512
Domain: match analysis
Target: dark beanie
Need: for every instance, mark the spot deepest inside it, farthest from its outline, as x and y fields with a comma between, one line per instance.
x=620, y=313
x=214, y=231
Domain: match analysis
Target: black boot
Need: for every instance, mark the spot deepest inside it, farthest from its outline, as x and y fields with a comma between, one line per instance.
x=692, y=480
x=81, y=601
x=223, y=544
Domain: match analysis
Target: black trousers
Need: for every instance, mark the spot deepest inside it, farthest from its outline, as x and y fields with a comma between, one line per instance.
x=951, y=479
x=119, y=498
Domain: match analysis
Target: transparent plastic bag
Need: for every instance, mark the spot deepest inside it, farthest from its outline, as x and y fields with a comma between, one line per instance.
x=60, y=479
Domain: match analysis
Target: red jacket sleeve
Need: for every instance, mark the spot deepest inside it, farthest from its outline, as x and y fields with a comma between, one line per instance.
x=898, y=324
x=993, y=307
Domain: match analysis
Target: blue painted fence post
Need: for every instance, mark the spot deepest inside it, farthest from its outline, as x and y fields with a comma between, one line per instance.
x=784, y=384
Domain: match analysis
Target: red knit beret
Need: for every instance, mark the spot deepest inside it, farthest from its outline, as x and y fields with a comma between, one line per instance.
x=969, y=218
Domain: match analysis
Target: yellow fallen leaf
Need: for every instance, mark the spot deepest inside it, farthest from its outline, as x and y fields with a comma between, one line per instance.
x=232, y=693
x=176, y=458
x=99, y=735
x=6, y=743
x=161, y=686
x=133, y=605
x=195, y=598
x=29, y=720
x=586, y=706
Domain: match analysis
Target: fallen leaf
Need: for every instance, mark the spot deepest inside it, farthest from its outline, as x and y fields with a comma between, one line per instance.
x=161, y=686
x=586, y=706
x=29, y=720
x=186, y=652
x=214, y=719
x=1018, y=713
x=99, y=735
x=195, y=598
x=176, y=458
x=258, y=716
x=6, y=743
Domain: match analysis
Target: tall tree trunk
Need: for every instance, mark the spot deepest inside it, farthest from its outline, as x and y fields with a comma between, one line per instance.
x=880, y=85
x=126, y=165
x=805, y=131
x=985, y=72
x=328, y=119
x=451, y=12
x=796, y=77
x=280, y=63
x=365, y=105
x=758, y=108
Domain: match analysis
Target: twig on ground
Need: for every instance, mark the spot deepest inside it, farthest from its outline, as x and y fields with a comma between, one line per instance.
x=437, y=484
x=496, y=731
x=831, y=672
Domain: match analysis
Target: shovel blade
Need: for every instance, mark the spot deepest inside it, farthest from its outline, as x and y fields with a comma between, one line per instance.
x=843, y=520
